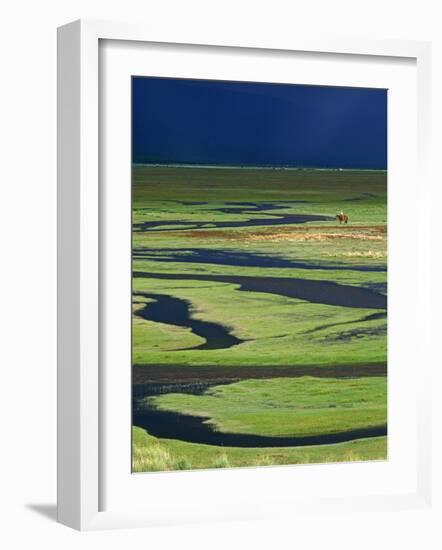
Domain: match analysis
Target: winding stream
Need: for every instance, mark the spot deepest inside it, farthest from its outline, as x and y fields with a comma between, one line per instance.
x=176, y=311
x=318, y=292
x=240, y=208
x=239, y=258
x=195, y=429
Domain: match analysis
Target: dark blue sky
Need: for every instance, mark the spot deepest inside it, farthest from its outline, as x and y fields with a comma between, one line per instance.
x=245, y=123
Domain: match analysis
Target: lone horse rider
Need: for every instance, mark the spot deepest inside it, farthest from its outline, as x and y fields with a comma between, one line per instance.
x=341, y=217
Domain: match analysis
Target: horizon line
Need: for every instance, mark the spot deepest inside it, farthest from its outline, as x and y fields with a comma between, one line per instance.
x=255, y=166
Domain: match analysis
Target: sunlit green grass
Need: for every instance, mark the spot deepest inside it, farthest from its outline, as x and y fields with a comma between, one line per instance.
x=294, y=407
x=277, y=331
x=153, y=455
x=222, y=184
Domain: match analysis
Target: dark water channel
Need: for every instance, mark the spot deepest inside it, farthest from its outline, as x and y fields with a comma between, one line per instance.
x=236, y=208
x=176, y=311
x=240, y=258
x=194, y=429
x=318, y=292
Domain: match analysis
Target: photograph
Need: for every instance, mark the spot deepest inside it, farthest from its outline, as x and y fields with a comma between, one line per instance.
x=232, y=215
x=259, y=274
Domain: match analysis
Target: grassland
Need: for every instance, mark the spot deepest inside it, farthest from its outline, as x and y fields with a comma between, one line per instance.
x=286, y=407
x=277, y=330
x=151, y=454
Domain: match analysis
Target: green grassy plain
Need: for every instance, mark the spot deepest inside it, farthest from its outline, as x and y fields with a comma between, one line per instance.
x=280, y=407
x=278, y=331
x=151, y=454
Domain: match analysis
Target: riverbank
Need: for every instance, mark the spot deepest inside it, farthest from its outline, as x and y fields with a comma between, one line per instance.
x=151, y=454
x=245, y=278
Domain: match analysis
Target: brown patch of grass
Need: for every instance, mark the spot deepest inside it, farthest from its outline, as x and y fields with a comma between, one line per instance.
x=311, y=233
x=320, y=236
x=185, y=374
x=367, y=254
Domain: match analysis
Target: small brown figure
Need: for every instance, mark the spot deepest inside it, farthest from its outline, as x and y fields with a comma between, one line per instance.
x=341, y=217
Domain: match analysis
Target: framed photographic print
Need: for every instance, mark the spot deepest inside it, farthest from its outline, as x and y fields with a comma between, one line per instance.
x=259, y=273
x=224, y=266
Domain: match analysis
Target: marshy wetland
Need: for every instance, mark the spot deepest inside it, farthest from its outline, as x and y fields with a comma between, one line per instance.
x=259, y=322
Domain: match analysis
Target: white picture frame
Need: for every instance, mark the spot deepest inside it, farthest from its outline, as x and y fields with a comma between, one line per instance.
x=80, y=437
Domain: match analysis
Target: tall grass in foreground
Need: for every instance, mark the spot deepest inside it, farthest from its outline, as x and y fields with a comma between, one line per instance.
x=222, y=461
x=157, y=458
